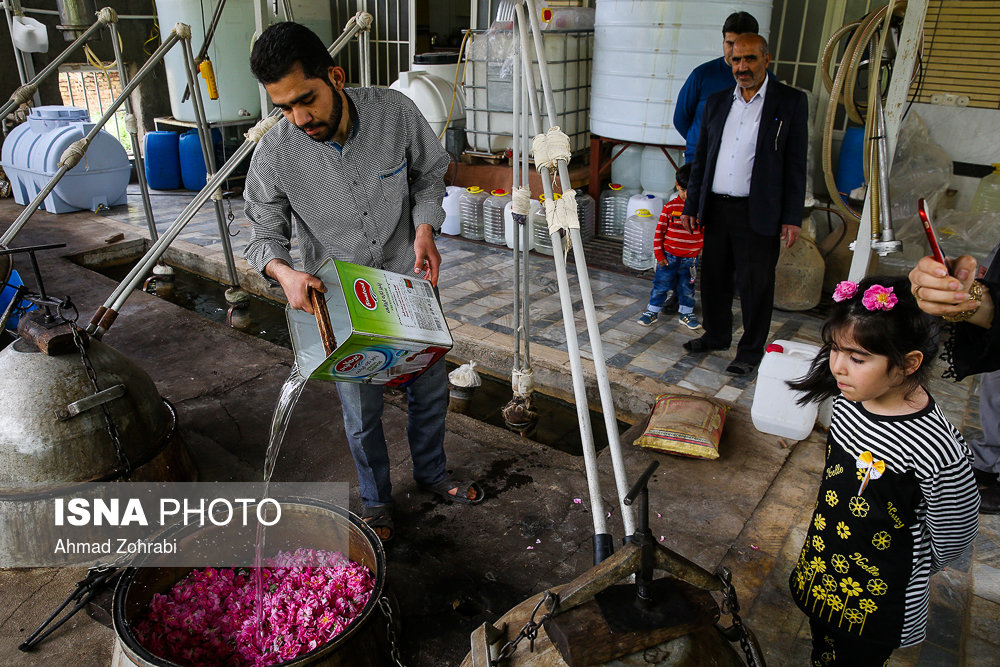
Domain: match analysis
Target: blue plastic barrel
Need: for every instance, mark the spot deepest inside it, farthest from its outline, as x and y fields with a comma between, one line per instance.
x=7, y=295
x=163, y=161
x=193, y=172
x=850, y=172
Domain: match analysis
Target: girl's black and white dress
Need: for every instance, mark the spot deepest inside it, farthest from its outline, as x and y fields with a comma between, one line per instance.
x=868, y=556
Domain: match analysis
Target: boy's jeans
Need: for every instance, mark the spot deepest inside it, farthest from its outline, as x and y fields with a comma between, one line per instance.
x=679, y=274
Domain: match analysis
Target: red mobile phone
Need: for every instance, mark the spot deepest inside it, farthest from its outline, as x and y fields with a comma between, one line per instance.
x=925, y=217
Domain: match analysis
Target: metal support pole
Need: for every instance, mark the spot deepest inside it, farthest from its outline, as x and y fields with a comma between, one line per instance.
x=85, y=142
x=133, y=131
x=208, y=151
x=593, y=326
x=51, y=67
x=515, y=146
x=569, y=322
x=18, y=56
x=106, y=314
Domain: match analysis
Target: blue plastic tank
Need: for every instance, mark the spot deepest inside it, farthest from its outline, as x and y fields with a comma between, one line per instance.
x=163, y=160
x=31, y=154
x=850, y=172
x=7, y=294
x=193, y=171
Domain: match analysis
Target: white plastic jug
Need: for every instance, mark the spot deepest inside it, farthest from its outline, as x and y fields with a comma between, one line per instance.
x=471, y=210
x=646, y=200
x=586, y=214
x=613, y=211
x=637, y=250
x=540, y=227
x=774, y=408
x=508, y=226
x=452, y=218
x=657, y=172
x=627, y=167
x=493, y=228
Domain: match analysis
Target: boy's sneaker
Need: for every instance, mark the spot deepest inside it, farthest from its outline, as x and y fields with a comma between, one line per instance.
x=690, y=321
x=649, y=318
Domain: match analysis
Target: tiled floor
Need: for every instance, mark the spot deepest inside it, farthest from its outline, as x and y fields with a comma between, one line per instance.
x=476, y=288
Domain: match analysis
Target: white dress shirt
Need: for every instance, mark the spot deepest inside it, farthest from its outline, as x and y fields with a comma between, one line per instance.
x=739, y=144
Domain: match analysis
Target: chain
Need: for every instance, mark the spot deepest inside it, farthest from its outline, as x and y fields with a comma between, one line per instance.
x=390, y=631
x=230, y=217
x=731, y=606
x=112, y=429
x=529, y=631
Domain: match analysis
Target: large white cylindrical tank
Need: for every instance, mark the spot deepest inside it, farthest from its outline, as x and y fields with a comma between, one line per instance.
x=434, y=96
x=643, y=54
x=229, y=52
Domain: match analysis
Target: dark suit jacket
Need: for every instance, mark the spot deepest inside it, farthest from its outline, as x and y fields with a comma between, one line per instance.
x=778, y=180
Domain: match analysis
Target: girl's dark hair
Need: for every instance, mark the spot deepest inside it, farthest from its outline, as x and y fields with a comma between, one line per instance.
x=281, y=46
x=893, y=334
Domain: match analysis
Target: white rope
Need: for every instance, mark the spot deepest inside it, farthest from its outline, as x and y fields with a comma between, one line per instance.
x=363, y=19
x=71, y=156
x=107, y=15
x=217, y=195
x=522, y=382
x=540, y=151
x=257, y=132
x=520, y=202
x=182, y=30
x=551, y=147
x=23, y=94
x=131, y=126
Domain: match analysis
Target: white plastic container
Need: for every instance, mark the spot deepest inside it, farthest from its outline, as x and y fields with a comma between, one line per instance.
x=627, y=167
x=540, y=227
x=987, y=197
x=470, y=208
x=774, y=408
x=645, y=200
x=586, y=214
x=613, y=211
x=508, y=226
x=433, y=96
x=493, y=227
x=452, y=217
x=29, y=34
x=657, y=173
x=637, y=250
x=643, y=54
x=31, y=154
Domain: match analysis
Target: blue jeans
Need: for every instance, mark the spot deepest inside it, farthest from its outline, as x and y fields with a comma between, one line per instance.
x=427, y=400
x=679, y=274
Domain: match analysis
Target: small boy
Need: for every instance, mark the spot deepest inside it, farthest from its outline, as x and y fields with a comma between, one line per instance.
x=676, y=253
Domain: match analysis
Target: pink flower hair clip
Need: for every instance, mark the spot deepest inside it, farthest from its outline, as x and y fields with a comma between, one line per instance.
x=845, y=290
x=879, y=298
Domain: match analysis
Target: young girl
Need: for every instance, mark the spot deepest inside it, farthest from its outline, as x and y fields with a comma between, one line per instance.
x=897, y=501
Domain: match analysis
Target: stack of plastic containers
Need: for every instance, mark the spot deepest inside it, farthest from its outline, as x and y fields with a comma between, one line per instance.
x=493, y=227
x=540, y=227
x=612, y=212
x=637, y=251
x=586, y=213
x=470, y=206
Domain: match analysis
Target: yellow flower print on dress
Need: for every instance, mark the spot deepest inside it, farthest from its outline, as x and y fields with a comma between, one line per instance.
x=881, y=540
x=873, y=469
x=840, y=563
x=817, y=565
x=859, y=507
x=818, y=544
x=854, y=616
x=843, y=530
x=835, y=604
x=829, y=583
x=850, y=588
x=819, y=522
x=831, y=498
x=877, y=587
x=867, y=606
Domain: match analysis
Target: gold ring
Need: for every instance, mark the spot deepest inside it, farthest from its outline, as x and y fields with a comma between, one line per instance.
x=916, y=292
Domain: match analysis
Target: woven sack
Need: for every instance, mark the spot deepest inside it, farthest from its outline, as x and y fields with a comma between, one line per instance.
x=684, y=425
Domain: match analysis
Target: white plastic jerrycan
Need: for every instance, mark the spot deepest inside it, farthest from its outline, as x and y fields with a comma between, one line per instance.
x=774, y=407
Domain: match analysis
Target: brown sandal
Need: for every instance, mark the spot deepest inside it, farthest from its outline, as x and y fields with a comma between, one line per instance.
x=379, y=519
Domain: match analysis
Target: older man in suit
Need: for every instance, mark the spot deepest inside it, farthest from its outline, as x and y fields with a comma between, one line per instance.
x=747, y=190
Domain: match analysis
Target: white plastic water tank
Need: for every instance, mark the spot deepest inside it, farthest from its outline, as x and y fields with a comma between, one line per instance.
x=643, y=54
x=31, y=155
x=774, y=408
x=433, y=97
x=229, y=52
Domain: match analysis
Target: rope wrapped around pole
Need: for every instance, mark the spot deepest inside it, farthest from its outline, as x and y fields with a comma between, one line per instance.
x=522, y=381
x=257, y=132
x=73, y=153
x=23, y=94
x=107, y=15
x=182, y=30
x=131, y=125
x=520, y=203
x=551, y=147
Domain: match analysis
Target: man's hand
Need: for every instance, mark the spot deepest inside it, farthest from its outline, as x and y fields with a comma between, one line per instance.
x=689, y=223
x=939, y=292
x=790, y=234
x=428, y=257
x=295, y=284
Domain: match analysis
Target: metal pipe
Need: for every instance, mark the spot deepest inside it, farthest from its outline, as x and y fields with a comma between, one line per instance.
x=593, y=326
x=133, y=132
x=51, y=67
x=515, y=184
x=208, y=151
x=569, y=322
x=107, y=313
x=526, y=232
x=18, y=56
x=85, y=142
